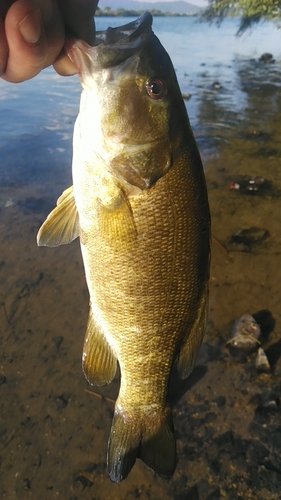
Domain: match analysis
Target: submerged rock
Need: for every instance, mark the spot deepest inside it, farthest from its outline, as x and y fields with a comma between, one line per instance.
x=251, y=186
x=216, y=86
x=244, y=239
x=9, y=202
x=266, y=58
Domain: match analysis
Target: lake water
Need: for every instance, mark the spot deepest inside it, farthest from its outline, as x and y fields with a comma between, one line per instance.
x=53, y=433
x=202, y=54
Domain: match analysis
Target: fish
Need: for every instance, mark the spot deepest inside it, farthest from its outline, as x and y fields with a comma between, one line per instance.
x=139, y=205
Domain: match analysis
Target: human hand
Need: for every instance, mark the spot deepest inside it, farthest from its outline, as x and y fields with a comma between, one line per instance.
x=32, y=35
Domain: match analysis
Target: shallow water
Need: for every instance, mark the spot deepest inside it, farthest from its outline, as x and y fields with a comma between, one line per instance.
x=53, y=434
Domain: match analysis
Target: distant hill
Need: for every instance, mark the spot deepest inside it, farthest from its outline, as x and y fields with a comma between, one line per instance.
x=177, y=7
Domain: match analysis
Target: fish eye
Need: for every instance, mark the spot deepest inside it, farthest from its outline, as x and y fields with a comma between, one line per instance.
x=156, y=89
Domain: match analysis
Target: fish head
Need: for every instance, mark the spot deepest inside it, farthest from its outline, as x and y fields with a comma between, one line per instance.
x=130, y=94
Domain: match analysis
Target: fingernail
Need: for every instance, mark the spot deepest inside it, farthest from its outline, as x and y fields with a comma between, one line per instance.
x=30, y=27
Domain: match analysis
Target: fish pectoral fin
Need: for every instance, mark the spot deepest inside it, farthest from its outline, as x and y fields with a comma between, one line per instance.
x=62, y=224
x=193, y=340
x=151, y=439
x=116, y=218
x=99, y=363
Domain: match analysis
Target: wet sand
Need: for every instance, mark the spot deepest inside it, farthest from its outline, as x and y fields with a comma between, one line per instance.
x=227, y=416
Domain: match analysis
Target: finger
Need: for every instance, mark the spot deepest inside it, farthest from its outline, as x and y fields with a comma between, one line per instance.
x=26, y=41
x=3, y=48
x=79, y=18
x=64, y=66
x=4, y=6
x=79, y=23
x=53, y=27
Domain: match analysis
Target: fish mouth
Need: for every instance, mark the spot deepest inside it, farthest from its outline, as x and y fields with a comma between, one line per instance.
x=113, y=45
x=127, y=34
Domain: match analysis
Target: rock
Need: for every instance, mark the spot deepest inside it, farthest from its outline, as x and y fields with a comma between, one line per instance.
x=192, y=493
x=262, y=363
x=268, y=406
x=216, y=86
x=245, y=335
x=251, y=186
x=58, y=341
x=186, y=97
x=220, y=401
x=62, y=401
x=266, y=58
x=244, y=239
x=85, y=478
x=267, y=401
x=256, y=451
x=215, y=494
x=35, y=205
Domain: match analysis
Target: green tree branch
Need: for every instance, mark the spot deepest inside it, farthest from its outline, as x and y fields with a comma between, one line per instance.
x=249, y=11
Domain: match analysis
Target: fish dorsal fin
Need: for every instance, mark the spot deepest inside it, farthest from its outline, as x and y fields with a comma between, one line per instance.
x=99, y=362
x=62, y=224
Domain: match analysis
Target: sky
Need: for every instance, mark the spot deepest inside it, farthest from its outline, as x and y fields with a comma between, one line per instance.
x=200, y=3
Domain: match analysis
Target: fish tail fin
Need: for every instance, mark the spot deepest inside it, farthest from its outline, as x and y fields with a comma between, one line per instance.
x=148, y=437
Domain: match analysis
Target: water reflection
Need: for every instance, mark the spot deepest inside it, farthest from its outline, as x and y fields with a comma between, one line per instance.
x=247, y=103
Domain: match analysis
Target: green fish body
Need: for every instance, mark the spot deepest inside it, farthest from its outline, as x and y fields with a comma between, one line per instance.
x=139, y=205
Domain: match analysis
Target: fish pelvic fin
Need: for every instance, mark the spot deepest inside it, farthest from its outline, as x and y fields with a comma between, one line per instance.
x=116, y=218
x=193, y=340
x=62, y=224
x=150, y=438
x=98, y=362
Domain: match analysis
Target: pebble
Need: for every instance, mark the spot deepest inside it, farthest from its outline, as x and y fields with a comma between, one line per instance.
x=216, y=86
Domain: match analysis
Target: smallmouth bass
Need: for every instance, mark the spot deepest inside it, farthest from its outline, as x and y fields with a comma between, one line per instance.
x=139, y=205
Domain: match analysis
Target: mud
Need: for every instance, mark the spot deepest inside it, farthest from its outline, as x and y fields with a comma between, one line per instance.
x=227, y=416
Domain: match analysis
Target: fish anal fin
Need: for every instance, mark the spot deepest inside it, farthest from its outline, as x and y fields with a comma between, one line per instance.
x=99, y=362
x=193, y=340
x=62, y=224
x=149, y=438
